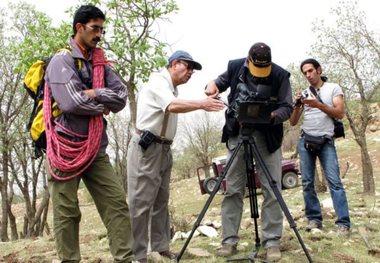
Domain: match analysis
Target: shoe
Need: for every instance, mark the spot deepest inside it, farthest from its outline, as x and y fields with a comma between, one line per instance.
x=343, y=231
x=168, y=254
x=273, y=254
x=227, y=250
x=313, y=225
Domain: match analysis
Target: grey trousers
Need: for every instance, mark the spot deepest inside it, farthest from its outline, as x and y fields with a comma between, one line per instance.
x=232, y=205
x=148, y=195
x=110, y=200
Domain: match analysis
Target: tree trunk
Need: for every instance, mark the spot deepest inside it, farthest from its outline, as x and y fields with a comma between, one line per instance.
x=12, y=224
x=12, y=218
x=367, y=169
x=44, y=224
x=4, y=194
x=132, y=103
x=32, y=231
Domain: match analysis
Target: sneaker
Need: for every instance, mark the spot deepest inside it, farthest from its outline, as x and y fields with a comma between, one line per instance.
x=343, y=231
x=313, y=225
x=227, y=250
x=168, y=254
x=273, y=254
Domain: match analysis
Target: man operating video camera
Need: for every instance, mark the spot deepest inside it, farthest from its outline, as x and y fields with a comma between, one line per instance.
x=260, y=99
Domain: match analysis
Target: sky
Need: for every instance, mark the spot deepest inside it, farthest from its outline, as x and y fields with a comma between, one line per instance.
x=215, y=31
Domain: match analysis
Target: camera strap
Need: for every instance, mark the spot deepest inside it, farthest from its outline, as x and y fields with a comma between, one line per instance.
x=315, y=93
x=338, y=125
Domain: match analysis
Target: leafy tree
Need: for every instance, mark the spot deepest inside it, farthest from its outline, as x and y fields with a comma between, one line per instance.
x=350, y=53
x=11, y=102
x=29, y=37
x=132, y=43
x=131, y=40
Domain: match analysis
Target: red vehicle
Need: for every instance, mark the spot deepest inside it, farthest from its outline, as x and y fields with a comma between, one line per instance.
x=290, y=173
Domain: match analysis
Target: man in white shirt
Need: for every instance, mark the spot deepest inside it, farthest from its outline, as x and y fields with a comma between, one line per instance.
x=321, y=103
x=149, y=154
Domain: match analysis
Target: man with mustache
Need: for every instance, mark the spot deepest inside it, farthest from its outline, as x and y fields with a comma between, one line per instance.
x=149, y=155
x=74, y=80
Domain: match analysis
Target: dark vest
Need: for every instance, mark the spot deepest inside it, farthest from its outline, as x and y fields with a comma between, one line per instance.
x=238, y=73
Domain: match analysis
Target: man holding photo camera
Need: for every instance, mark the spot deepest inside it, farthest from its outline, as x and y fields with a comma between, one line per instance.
x=324, y=102
x=149, y=154
x=256, y=70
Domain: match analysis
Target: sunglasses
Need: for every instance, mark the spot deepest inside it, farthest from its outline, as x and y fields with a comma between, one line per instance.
x=189, y=66
x=96, y=29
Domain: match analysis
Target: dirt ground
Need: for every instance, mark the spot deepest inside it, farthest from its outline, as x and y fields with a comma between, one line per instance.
x=186, y=203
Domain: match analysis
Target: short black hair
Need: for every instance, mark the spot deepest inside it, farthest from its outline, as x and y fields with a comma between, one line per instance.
x=312, y=61
x=85, y=13
x=315, y=64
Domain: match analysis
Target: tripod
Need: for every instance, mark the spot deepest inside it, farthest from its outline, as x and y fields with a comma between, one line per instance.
x=252, y=191
x=249, y=147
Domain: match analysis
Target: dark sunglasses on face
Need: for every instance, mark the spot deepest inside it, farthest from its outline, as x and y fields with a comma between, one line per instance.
x=96, y=29
x=189, y=66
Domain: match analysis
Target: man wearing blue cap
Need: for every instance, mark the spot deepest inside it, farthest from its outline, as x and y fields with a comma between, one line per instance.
x=149, y=154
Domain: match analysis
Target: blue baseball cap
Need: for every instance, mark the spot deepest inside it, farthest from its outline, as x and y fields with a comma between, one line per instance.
x=183, y=55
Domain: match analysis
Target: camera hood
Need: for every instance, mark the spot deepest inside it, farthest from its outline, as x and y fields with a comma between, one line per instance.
x=255, y=112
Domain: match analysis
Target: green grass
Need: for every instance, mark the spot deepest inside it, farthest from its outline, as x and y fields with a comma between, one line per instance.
x=187, y=202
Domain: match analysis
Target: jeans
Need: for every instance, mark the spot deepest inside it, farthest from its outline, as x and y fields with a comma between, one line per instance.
x=330, y=165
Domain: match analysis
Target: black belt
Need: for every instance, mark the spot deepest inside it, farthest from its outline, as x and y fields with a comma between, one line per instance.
x=157, y=139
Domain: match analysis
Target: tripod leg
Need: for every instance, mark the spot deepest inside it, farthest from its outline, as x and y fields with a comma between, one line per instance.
x=252, y=187
x=279, y=197
x=209, y=200
x=251, y=178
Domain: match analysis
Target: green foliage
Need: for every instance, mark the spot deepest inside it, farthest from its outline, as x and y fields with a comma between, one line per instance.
x=349, y=51
x=130, y=38
x=34, y=37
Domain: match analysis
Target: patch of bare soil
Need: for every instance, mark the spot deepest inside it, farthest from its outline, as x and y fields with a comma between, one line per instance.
x=344, y=258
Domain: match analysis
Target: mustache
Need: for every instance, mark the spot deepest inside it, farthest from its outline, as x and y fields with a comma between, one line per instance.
x=97, y=39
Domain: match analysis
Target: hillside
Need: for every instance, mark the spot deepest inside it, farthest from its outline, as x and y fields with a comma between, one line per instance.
x=187, y=202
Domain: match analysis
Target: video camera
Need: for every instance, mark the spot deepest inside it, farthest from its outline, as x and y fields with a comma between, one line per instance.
x=254, y=106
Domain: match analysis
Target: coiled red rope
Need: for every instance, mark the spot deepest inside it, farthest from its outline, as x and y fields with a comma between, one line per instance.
x=72, y=158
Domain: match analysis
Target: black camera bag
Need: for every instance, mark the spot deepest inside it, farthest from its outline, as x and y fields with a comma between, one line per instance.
x=314, y=144
x=338, y=129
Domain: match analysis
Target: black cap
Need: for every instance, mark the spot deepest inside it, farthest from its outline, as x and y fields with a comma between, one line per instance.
x=260, y=62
